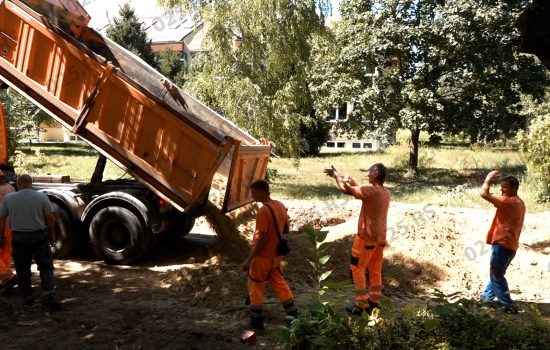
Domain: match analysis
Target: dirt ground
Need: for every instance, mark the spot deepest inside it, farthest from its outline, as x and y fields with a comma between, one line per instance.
x=189, y=294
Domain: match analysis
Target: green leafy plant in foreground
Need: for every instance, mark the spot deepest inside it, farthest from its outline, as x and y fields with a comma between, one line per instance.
x=448, y=322
x=319, y=250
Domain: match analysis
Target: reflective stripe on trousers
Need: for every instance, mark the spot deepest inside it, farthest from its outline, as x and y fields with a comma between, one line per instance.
x=365, y=257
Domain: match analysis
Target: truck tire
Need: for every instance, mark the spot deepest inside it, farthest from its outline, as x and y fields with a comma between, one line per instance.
x=118, y=236
x=184, y=224
x=64, y=242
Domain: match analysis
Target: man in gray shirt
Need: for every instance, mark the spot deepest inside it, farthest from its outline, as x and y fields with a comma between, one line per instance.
x=32, y=221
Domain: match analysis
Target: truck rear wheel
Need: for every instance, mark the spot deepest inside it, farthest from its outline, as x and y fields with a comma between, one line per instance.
x=64, y=242
x=118, y=236
x=184, y=224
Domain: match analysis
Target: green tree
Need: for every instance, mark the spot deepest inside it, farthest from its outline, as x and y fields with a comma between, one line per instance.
x=23, y=118
x=428, y=65
x=535, y=146
x=128, y=32
x=256, y=69
x=169, y=63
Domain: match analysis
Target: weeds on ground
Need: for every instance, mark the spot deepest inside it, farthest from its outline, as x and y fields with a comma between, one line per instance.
x=451, y=322
x=29, y=163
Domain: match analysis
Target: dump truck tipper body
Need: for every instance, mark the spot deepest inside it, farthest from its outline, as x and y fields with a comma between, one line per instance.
x=131, y=114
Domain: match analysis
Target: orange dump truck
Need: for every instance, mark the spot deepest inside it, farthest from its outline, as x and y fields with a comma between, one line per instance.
x=172, y=144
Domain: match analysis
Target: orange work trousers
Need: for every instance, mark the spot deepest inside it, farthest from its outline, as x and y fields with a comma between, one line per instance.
x=5, y=258
x=366, y=256
x=267, y=270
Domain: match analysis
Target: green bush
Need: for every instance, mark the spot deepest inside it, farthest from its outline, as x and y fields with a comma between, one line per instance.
x=450, y=323
x=314, y=133
x=461, y=324
x=535, y=148
x=29, y=163
x=435, y=140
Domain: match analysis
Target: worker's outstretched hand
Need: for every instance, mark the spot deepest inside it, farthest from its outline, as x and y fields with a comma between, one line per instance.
x=332, y=172
x=492, y=175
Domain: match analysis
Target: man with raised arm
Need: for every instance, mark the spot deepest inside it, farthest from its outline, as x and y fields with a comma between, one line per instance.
x=368, y=245
x=503, y=236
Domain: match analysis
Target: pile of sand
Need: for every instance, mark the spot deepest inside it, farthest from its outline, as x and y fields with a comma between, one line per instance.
x=212, y=284
x=430, y=248
x=220, y=282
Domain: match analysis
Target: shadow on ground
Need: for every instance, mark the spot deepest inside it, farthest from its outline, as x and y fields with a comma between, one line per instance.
x=111, y=307
x=401, y=275
x=538, y=246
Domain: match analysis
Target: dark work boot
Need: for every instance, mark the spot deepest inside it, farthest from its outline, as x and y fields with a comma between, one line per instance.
x=358, y=311
x=509, y=309
x=373, y=305
x=28, y=300
x=50, y=304
x=290, y=308
x=256, y=321
x=7, y=287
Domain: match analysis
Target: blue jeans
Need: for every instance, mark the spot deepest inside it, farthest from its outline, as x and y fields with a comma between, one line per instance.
x=26, y=246
x=498, y=286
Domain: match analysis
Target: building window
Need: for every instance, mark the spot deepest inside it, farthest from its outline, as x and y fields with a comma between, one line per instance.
x=338, y=114
x=356, y=145
x=342, y=112
x=330, y=144
x=367, y=145
x=341, y=145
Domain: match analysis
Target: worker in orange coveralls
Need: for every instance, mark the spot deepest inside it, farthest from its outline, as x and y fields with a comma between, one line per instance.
x=263, y=263
x=7, y=278
x=368, y=246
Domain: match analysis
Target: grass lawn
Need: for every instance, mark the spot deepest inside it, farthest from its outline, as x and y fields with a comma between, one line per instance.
x=74, y=159
x=448, y=176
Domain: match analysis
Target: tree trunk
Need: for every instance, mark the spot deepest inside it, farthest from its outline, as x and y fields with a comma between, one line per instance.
x=97, y=176
x=474, y=136
x=413, y=152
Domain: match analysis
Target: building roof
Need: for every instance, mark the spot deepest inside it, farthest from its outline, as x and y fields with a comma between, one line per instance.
x=161, y=25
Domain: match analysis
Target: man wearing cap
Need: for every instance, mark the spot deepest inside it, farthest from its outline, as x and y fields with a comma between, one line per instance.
x=7, y=278
x=32, y=221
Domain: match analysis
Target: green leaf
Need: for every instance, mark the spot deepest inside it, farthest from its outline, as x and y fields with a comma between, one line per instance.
x=321, y=236
x=311, y=234
x=324, y=259
x=323, y=247
x=325, y=275
x=319, y=341
x=430, y=325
